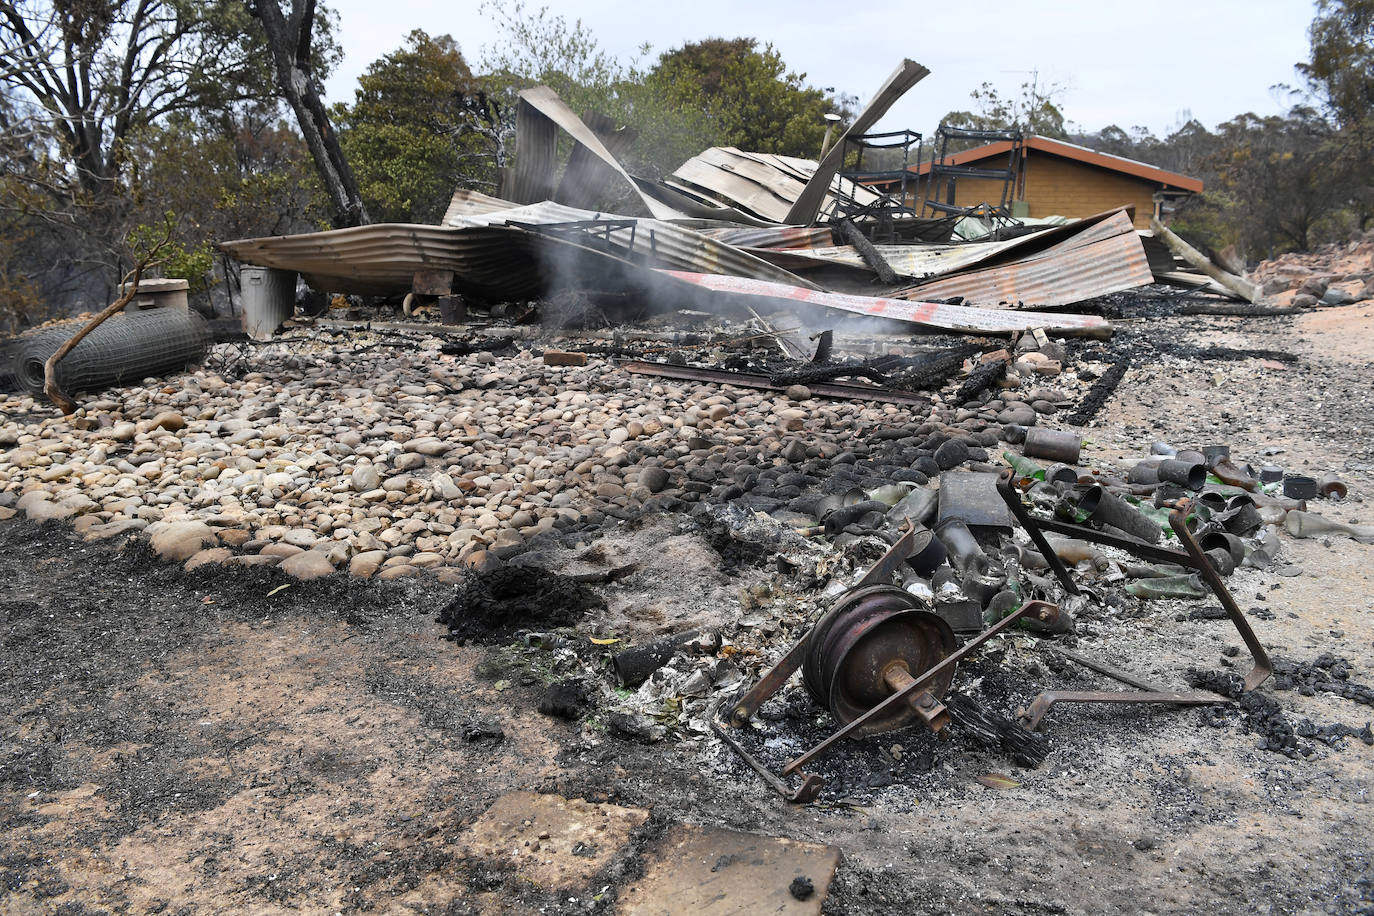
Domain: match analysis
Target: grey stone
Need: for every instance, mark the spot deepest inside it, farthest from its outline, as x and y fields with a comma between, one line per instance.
x=114, y=529
x=654, y=479
x=311, y=564
x=180, y=540
x=1314, y=286
x=364, y=565
x=169, y=420
x=208, y=555
x=1017, y=416
x=951, y=454
x=365, y=478
x=39, y=508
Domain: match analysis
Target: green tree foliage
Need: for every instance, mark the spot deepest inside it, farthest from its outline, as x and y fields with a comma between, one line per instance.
x=1271, y=184
x=402, y=134
x=111, y=113
x=1274, y=176
x=95, y=71
x=1341, y=65
x=251, y=176
x=540, y=48
x=716, y=92
x=747, y=94
x=1340, y=72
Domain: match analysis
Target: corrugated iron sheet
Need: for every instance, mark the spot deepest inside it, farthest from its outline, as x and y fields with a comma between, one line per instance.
x=657, y=243
x=585, y=177
x=541, y=108
x=472, y=203
x=772, y=237
x=953, y=318
x=380, y=258
x=494, y=262
x=761, y=184
x=1104, y=257
x=488, y=257
x=931, y=259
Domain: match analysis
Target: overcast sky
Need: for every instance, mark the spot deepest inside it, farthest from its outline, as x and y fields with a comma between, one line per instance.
x=1126, y=63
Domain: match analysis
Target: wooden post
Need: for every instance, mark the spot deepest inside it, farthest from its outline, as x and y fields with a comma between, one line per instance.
x=1238, y=285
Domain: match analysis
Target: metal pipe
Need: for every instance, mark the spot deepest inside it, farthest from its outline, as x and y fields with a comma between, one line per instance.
x=1054, y=444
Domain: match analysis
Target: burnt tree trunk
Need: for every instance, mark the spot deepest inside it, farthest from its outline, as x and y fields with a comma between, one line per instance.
x=289, y=41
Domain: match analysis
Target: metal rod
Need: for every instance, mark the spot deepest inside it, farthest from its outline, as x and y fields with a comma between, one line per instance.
x=806, y=792
x=1041, y=704
x=1263, y=667
x=1043, y=609
x=1013, y=501
x=1131, y=545
x=769, y=684
x=1114, y=673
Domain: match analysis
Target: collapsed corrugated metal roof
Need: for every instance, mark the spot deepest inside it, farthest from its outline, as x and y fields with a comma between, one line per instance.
x=492, y=262
x=487, y=238
x=506, y=262
x=499, y=249
x=500, y=252
x=1105, y=257
x=926, y=260
x=654, y=242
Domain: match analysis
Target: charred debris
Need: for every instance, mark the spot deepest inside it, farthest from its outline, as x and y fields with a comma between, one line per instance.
x=931, y=574
x=941, y=542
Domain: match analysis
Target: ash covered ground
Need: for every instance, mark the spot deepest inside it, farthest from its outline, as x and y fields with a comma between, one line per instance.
x=240, y=737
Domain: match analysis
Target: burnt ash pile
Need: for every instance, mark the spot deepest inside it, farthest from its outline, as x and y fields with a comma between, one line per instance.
x=1327, y=673
x=1260, y=714
x=490, y=606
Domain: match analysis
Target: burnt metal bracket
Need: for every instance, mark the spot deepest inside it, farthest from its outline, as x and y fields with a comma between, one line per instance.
x=1036, y=526
x=811, y=784
x=1263, y=668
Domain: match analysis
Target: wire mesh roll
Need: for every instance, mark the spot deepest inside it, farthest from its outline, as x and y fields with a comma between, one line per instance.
x=124, y=349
